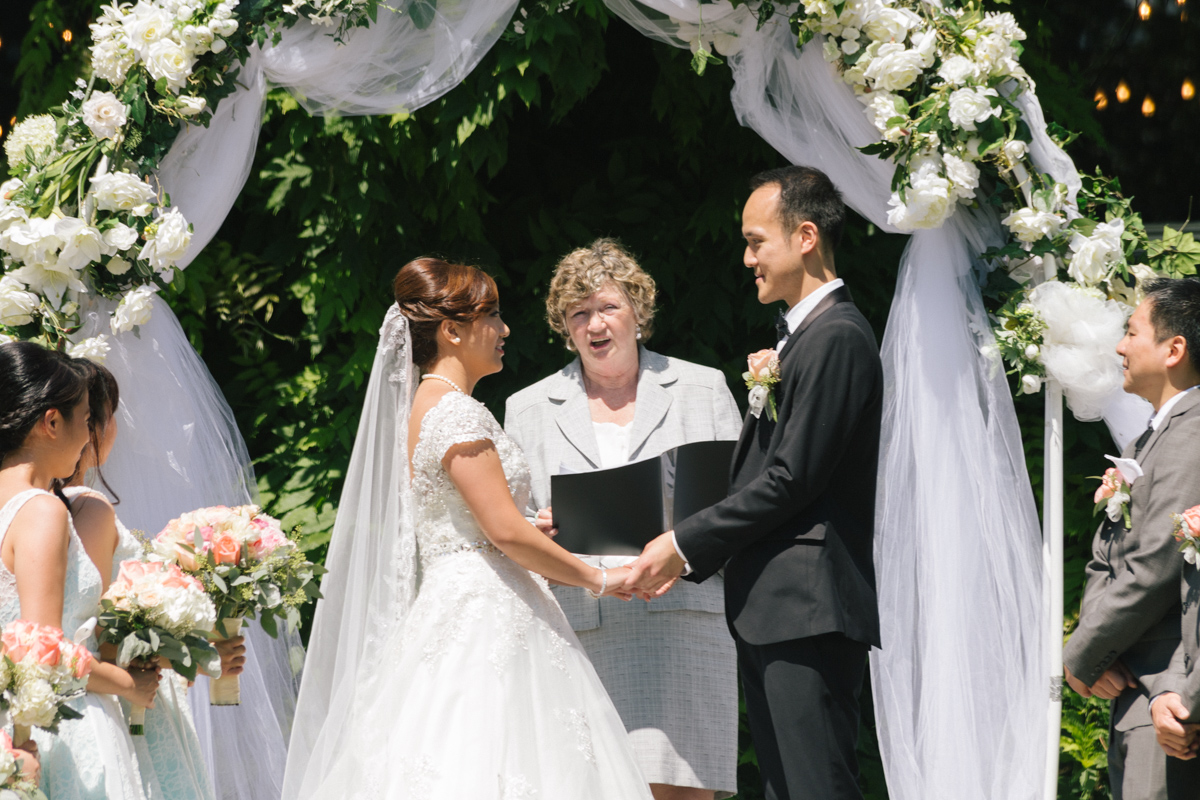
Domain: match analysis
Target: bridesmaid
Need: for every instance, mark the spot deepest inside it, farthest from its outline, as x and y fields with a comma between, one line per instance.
x=172, y=763
x=43, y=430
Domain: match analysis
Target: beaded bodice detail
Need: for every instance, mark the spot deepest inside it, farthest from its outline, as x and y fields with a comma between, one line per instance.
x=444, y=523
x=83, y=586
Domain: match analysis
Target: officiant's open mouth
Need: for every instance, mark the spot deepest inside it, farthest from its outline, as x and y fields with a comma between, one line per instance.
x=599, y=344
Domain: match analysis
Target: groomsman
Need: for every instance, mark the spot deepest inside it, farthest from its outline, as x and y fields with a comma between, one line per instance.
x=795, y=534
x=1130, y=624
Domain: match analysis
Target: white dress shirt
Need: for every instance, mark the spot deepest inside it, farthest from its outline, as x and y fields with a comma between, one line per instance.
x=1166, y=407
x=795, y=317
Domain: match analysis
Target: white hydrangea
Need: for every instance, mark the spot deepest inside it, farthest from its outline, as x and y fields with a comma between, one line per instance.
x=183, y=610
x=95, y=349
x=121, y=191
x=168, y=242
x=104, y=115
x=134, y=309
x=17, y=306
x=34, y=703
x=970, y=106
x=1030, y=225
x=39, y=133
x=1093, y=256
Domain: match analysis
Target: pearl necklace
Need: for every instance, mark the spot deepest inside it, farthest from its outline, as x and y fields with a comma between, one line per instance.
x=453, y=385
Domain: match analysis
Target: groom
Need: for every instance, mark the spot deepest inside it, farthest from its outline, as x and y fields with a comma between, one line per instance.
x=795, y=534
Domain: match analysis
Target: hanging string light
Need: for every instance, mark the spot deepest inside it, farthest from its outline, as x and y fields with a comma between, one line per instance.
x=67, y=36
x=1122, y=92
x=1188, y=91
x=1144, y=10
x=1148, y=107
x=1101, y=99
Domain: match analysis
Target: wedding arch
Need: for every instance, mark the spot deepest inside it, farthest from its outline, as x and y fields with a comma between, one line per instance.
x=919, y=111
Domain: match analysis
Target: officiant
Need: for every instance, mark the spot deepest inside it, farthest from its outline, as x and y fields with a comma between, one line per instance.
x=670, y=665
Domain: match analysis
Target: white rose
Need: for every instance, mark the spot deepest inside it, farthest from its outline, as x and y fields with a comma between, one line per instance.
x=169, y=241
x=121, y=191
x=82, y=244
x=169, y=60
x=1190, y=555
x=94, y=349
x=894, y=67
x=121, y=237
x=927, y=205
x=963, y=175
x=881, y=107
x=758, y=399
x=224, y=27
x=1030, y=384
x=995, y=54
x=219, y=46
x=1005, y=25
x=192, y=106
x=112, y=60
x=1030, y=225
x=1142, y=273
x=727, y=44
x=957, y=70
x=1032, y=352
x=1093, y=256
x=33, y=243
x=104, y=115
x=146, y=25
x=17, y=306
x=39, y=133
x=134, y=309
x=11, y=214
x=118, y=266
x=891, y=24
x=1114, y=509
x=1014, y=150
x=969, y=106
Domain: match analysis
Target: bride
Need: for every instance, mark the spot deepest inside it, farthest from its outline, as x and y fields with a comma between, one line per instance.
x=440, y=665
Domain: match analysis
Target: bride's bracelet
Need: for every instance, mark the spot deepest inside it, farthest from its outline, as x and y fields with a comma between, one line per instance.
x=603, y=585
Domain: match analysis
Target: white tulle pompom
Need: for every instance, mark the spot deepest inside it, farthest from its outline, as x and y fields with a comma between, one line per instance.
x=1079, y=348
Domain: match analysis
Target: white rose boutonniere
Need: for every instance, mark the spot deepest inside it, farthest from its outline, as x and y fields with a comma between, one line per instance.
x=761, y=377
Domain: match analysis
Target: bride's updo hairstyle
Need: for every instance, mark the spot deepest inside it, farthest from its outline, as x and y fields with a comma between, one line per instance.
x=430, y=290
x=34, y=380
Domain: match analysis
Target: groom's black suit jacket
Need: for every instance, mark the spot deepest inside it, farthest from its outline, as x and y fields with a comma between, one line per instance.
x=795, y=535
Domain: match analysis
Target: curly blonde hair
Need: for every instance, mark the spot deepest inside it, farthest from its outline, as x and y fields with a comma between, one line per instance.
x=584, y=271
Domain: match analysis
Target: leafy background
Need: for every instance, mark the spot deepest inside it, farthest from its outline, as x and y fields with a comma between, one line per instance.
x=576, y=129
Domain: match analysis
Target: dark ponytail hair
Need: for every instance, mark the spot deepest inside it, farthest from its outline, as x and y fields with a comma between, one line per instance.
x=34, y=380
x=103, y=396
x=430, y=290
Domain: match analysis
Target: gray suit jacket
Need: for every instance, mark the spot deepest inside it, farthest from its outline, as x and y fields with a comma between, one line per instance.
x=1131, y=603
x=677, y=402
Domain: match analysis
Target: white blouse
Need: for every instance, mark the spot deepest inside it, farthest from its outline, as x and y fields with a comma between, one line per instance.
x=613, y=441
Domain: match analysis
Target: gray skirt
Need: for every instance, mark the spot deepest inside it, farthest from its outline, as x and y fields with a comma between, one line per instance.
x=670, y=667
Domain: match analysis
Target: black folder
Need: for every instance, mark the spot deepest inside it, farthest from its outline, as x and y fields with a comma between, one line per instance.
x=617, y=511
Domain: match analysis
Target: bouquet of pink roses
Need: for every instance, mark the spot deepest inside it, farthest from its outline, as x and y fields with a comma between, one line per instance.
x=12, y=778
x=153, y=609
x=41, y=670
x=1187, y=533
x=249, y=567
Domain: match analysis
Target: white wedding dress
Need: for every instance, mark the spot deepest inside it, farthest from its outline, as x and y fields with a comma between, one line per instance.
x=482, y=691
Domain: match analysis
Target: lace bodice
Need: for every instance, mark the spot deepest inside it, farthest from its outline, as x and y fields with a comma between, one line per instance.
x=444, y=523
x=81, y=592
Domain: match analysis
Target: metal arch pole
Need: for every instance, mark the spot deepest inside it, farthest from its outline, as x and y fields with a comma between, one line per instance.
x=1052, y=554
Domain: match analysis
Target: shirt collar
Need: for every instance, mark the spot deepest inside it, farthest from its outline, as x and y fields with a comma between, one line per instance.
x=796, y=315
x=1165, y=410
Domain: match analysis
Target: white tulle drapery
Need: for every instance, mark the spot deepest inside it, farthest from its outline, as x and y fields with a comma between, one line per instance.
x=393, y=66
x=178, y=448
x=960, y=684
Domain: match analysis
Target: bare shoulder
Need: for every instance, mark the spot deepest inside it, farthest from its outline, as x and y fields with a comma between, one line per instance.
x=93, y=513
x=42, y=518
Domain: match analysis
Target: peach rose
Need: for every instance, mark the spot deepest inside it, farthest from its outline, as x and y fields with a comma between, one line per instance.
x=226, y=549
x=46, y=646
x=131, y=571
x=1108, y=485
x=80, y=660
x=17, y=638
x=760, y=364
x=1191, y=518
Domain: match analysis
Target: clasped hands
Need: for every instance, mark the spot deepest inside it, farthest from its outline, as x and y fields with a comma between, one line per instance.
x=1176, y=737
x=652, y=575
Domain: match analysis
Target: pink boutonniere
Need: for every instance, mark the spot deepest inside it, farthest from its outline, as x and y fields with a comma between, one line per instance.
x=1187, y=529
x=761, y=377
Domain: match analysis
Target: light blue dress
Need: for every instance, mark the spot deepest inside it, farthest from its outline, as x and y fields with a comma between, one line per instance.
x=170, y=756
x=91, y=758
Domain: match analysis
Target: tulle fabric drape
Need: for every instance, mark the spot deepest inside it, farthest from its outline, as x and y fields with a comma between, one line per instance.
x=178, y=448
x=960, y=684
x=393, y=66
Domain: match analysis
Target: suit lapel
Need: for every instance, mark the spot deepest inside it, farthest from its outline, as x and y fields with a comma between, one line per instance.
x=653, y=402
x=1186, y=404
x=838, y=295
x=573, y=418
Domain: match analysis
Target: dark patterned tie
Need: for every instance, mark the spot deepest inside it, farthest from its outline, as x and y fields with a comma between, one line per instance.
x=781, y=326
x=1141, y=441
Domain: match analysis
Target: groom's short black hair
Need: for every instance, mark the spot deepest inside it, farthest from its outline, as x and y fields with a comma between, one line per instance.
x=1175, y=311
x=806, y=195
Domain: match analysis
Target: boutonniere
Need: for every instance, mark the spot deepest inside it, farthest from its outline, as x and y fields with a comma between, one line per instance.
x=1114, y=490
x=1187, y=528
x=760, y=380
